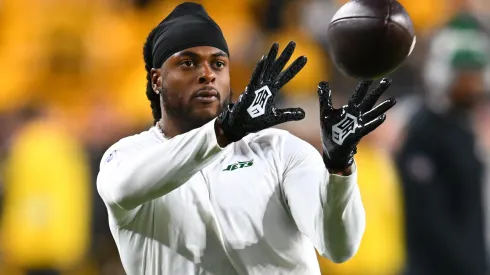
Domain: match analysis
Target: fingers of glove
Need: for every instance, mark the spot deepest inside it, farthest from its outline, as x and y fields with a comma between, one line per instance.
x=257, y=73
x=290, y=72
x=373, y=124
x=288, y=114
x=379, y=110
x=282, y=60
x=371, y=99
x=360, y=92
x=325, y=98
x=270, y=59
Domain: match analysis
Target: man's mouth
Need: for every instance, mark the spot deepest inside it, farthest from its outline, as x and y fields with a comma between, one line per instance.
x=207, y=95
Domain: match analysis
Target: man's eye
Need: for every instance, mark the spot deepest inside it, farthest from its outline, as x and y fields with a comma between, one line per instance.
x=187, y=63
x=220, y=64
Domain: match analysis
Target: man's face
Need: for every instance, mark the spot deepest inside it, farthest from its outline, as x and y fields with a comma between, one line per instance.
x=468, y=89
x=195, y=85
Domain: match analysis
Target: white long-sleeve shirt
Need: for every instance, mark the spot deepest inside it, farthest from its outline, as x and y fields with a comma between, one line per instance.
x=258, y=206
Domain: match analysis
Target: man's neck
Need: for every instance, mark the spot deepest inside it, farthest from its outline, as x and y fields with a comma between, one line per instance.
x=174, y=127
x=169, y=128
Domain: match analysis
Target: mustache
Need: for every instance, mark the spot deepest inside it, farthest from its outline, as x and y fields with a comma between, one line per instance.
x=207, y=91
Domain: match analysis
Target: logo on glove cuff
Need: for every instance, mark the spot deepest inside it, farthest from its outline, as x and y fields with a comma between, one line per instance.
x=344, y=128
x=258, y=105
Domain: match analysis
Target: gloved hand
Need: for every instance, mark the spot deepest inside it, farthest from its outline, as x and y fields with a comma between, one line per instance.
x=255, y=109
x=343, y=128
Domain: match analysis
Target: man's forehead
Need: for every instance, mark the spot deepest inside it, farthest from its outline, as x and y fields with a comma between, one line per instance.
x=201, y=51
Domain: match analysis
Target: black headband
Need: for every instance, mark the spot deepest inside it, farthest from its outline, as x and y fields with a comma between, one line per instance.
x=187, y=26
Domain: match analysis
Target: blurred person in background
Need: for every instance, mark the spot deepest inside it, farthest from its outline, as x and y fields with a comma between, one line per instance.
x=440, y=161
x=46, y=216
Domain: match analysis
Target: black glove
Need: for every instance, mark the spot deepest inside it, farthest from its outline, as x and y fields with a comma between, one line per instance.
x=255, y=109
x=343, y=128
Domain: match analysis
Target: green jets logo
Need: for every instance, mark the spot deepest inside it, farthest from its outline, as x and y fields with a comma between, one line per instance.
x=238, y=165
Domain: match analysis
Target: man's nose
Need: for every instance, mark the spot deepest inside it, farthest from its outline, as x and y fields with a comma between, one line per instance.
x=207, y=75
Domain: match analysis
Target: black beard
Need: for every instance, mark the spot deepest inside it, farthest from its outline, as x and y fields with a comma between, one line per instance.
x=183, y=114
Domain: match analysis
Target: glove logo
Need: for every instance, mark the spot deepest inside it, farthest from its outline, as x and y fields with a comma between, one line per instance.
x=258, y=105
x=344, y=128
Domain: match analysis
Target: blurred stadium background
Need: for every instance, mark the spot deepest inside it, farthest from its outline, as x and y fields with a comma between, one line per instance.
x=72, y=82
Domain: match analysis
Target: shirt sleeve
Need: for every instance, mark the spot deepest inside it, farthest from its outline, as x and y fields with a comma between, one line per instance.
x=326, y=208
x=132, y=175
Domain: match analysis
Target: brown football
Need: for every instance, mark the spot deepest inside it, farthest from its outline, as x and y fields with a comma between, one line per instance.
x=369, y=39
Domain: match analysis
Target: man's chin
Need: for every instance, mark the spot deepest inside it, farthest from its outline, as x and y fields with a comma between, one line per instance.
x=199, y=117
x=205, y=115
x=196, y=116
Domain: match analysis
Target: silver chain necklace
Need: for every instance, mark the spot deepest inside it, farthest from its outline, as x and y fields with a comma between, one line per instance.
x=161, y=129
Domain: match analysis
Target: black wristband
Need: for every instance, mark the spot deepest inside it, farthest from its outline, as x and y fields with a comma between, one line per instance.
x=229, y=133
x=338, y=164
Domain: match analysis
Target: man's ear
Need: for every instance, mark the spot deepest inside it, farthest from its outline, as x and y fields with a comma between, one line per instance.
x=156, y=80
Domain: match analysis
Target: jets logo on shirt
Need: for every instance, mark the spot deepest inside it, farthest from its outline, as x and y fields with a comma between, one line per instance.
x=239, y=165
x=258, y=105
x=344, y=128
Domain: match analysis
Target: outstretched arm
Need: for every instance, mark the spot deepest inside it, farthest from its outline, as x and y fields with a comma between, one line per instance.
x=323, y=194
x=327, y=208
x=131, y=176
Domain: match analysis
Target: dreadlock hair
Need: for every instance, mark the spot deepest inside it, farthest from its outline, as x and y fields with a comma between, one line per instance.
x=153, y=97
